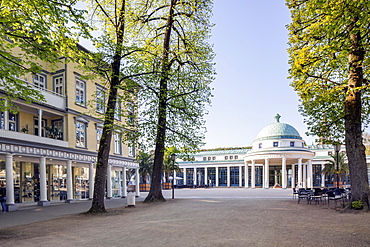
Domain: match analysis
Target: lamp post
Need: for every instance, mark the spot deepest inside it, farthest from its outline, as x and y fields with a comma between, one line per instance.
x=173, y=158
x=337, y=149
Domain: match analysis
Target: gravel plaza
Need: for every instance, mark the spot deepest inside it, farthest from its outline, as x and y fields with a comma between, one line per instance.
x=197, y=217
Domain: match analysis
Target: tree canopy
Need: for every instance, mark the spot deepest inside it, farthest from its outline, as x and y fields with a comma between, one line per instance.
x=32, y=32
x=329, y=64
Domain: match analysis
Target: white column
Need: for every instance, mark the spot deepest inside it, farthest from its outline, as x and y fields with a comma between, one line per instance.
x=137, y=187
x=205, y=175
x=69, y=182
x=228, y=176
x=309, y=174
x=246, y=175
x=322, y=176
x=240, y=176
x=174, y=178
x=195, y=176
x=9, y=183
x=124, y=183
x=293, y=176
x=300, y=182
x=39, y=111
x=43, y=190
x=253, y=175
x=91, y=181
x=283, y=173
x=304, y=176
x=266, y=170
x=109, y=181
x=184, y=176
x=216, y=177
x=6, y=122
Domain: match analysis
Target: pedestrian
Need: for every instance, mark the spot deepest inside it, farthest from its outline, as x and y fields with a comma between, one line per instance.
x=3, y=197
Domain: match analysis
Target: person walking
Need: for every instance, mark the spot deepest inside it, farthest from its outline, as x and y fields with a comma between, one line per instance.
x=3, y=197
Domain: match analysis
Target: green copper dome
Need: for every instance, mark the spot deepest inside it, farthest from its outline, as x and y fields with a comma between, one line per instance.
x=278, y=130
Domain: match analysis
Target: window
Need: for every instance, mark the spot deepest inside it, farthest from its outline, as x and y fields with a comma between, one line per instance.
x=80, y=92
x=2, y=120
x=59, y=84
x=36, y=126
x=131, y=150
x=276, y=144
x=117, y=143
x=117, y=111
x=209, y=158
x=131, y=113
x=12, y=122
x=100, y=99
x=80, y=134
x=259, y=145
x=292, y=144
x=213, y=158
x=236, y=157
x=99, y=132
x=231, y=157
x=204, y=158
x=39, y=81
x=226, y=157
x=330, y=153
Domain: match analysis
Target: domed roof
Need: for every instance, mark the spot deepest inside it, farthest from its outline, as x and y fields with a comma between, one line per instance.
x=278, y=130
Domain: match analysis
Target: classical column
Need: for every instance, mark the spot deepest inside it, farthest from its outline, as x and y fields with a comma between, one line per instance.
x=69, y=182
x=283, y=173
x=109, y=181
x=184, y=176
x=43, y=191
x=309, y=174
x=195, y=176
x=322, y=176
x=91, y=181
x=293, y=184
x=9, y=183
x=39, y=111
x=246, y=175
x=124, y=183
x=6, y=118
x=137, y=182
x=174, y=177
x=266, y=177
x=300, y=184
x=304, y=176
x=217, y=179
x=206, y=176
x=228, y=176
x=253, y=175
x=240, y=176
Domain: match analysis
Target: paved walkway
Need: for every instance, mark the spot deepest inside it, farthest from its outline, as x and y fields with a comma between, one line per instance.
x=197, y=217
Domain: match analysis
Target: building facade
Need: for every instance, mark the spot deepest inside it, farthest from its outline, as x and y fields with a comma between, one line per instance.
x=48, y=150
x=278, y=158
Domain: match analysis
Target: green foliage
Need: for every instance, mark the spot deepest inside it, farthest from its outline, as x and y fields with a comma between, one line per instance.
x=34, y=32
x=146, y=162
x=331, y=165
x=320, y=43
x=357, y=204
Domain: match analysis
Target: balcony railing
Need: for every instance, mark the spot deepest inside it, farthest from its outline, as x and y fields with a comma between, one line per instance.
x=32, y=138
x=52, y=98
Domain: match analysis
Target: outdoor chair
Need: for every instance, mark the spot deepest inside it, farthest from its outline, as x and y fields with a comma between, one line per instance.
x=295, y=193
x=303, y=195
x=334, y=196
x=317, y=196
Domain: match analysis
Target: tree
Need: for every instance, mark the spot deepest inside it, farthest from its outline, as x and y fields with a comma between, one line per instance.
x=168, y=165
x=34, y=32
x=331, y=167
x=146, y=165
x=172, y=100
x=329, y=41
x=114, y=44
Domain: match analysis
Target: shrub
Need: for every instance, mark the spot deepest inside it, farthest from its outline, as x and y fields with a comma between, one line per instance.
x=357, y=204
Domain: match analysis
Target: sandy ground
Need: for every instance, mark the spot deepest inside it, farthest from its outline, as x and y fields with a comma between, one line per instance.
x=201, y=221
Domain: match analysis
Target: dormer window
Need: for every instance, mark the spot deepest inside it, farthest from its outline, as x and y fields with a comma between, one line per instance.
x=292, y=144
x=276, y=144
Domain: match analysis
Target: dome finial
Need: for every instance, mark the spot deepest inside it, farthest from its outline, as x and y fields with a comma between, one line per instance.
x=277, y=118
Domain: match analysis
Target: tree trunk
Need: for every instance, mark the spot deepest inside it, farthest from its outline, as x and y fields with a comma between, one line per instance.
x=155, y=193
x=97, y=205
x=353, y=131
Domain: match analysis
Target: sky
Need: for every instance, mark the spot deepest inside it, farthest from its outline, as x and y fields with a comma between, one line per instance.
x=251, y=85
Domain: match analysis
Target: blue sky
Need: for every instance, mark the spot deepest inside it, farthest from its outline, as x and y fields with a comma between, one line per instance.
x=251, y=86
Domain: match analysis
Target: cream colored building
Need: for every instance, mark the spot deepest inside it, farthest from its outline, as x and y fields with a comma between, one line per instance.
x=48, y=150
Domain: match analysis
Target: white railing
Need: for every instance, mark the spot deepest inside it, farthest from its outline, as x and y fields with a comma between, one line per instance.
x=52, y=98
x=32, y=138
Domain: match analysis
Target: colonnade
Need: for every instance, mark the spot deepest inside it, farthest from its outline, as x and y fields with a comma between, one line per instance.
x=10, y=202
